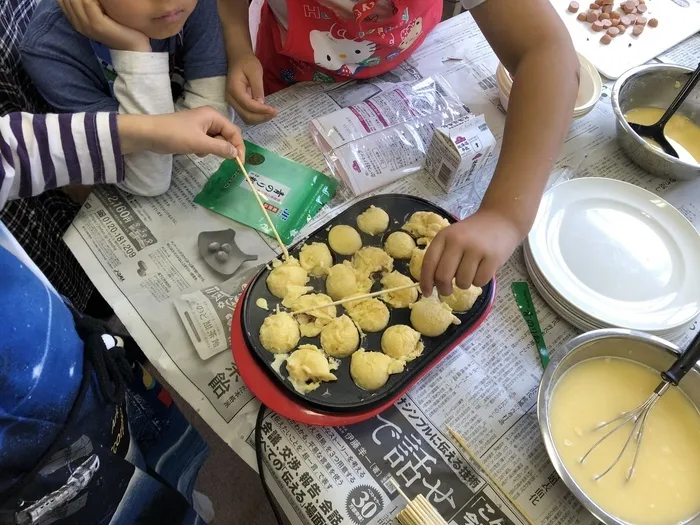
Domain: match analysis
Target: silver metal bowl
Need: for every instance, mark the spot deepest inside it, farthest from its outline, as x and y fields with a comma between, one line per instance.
x=654, y=86
x=635, y=346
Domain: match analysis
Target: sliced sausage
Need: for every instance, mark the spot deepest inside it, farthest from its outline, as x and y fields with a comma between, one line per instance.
x=641, y=21
x=573, y=7
x=613, y=31
x=606, y=23
x=606, y=39
x=604, y=16
x=615, y=15
x=642, y=8
x=653, y=22
x=581, y=17
x=591, y=17
x=597, y=26
x=638, y=30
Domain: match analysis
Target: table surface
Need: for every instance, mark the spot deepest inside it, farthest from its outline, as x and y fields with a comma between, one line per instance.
x=142, y=256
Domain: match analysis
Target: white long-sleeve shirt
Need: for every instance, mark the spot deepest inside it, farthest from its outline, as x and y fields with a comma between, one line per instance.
x=142, y=87
x=73, y=75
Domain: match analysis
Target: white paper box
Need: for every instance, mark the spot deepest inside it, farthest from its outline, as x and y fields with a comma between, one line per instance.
x=458, y=150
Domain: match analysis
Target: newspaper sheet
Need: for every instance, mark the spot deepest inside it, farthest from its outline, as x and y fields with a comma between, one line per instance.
x=684, y=54
x=142, y=255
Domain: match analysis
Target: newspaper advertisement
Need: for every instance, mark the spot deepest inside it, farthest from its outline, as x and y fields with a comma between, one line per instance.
x=143, y=256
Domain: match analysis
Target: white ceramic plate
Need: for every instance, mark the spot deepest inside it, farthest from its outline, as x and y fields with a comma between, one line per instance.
x=575, y=317
x=619, y=254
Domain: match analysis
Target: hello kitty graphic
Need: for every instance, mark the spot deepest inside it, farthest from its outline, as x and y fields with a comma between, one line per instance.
x=411, y=33
x=334, y=52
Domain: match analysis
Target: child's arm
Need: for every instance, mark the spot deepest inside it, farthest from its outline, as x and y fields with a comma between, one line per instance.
x=42, y=152
x=245, y=74
x=142, y=87
x=534, y=45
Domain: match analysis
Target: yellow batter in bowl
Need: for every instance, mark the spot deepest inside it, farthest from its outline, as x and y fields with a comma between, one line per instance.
x=665, y=488
x=682, y=133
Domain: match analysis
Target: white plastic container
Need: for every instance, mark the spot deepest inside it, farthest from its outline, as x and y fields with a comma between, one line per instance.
x=589, y=91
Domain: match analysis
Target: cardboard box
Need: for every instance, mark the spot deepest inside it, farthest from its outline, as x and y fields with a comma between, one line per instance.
x=458, y=150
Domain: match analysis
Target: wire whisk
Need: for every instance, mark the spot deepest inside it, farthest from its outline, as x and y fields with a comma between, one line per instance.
x=638, y=416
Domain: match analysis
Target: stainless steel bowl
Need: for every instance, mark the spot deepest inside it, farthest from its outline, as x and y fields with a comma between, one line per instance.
x=653, y=86
x=636, y=346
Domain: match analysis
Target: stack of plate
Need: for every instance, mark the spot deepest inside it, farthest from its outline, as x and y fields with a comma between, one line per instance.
x=605, y=253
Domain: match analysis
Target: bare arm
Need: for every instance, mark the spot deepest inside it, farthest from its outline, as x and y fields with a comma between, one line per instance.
x=245, y=90
x=234, y=20
x=534, y=45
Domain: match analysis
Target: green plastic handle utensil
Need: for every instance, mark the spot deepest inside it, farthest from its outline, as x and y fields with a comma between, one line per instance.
x=521, y=293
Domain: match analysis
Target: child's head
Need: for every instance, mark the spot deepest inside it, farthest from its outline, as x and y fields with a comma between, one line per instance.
x=157, y=19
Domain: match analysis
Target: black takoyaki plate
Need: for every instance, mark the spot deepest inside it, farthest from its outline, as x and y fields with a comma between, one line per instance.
x=343, y=395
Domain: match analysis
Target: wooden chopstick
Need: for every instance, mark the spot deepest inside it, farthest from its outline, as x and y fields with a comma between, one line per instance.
x=262, y=207
x=358, y=298
x=462, y=443
x=417, y=512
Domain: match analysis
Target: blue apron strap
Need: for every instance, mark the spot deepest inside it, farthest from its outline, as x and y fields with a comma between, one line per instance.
x=104, y=58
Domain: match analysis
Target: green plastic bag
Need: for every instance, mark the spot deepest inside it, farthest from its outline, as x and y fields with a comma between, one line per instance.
x=292, y=193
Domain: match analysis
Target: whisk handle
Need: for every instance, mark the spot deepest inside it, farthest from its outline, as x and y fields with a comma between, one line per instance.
x=684, y=363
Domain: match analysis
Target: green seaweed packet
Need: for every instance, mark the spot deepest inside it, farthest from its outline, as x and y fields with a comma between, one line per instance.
x=291, y=192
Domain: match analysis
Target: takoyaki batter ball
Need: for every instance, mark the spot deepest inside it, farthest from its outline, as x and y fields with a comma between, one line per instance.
x=399, y=245
x=461, y=300
x=425, y=225
x=311, y=323
x=344, y=239
x=316, y=258
x=402, y=342
x=431, y=317
x=344, y=280
x=416, y=262
x=400, y=298
x=307, y=367
x=371, y=370
x=370, y=259
x=285, y=274
x=371, y=315
x=373, y=221
x=340, y=337
x=279, y=333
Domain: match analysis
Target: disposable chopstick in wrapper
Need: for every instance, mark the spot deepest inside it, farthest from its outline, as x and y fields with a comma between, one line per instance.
x=262, y=207
x=463, y=444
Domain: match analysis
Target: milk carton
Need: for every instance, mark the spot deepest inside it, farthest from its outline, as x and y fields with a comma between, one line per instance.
x=458, y=150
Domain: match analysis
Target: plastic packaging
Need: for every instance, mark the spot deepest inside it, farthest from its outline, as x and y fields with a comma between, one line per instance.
x=292, y=193
x=385, y=138
x=207, y=313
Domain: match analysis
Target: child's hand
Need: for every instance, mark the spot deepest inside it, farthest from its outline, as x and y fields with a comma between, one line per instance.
x=469, y=251
x=201, y=131
x=88, y=18
x=245, y=90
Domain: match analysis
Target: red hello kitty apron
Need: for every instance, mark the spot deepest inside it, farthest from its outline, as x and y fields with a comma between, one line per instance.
x=322, y=46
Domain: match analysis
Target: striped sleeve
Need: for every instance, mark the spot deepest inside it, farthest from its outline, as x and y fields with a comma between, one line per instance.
x=42, y=152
